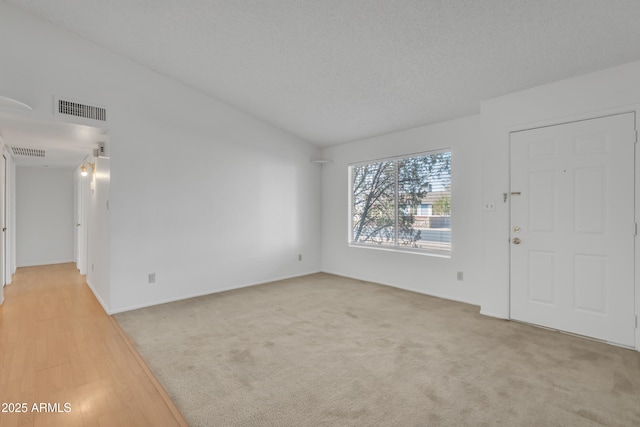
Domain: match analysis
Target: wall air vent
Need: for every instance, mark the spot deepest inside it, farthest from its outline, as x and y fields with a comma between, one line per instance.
x=29, y=152
x=72, y=108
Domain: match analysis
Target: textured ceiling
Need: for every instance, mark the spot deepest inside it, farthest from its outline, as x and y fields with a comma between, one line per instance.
x=332, y=71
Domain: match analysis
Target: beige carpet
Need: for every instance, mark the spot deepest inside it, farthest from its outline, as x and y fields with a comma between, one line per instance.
x=328, y=351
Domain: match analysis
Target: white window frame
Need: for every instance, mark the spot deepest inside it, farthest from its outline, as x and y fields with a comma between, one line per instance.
x=396, y=247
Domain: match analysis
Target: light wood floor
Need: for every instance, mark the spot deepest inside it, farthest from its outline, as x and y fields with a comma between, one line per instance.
x=57, y=345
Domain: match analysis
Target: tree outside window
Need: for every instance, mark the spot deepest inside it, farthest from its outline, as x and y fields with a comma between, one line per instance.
x=386, y=197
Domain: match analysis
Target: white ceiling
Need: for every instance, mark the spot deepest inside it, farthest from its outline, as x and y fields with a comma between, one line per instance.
x=332, y=71
x=66, y=145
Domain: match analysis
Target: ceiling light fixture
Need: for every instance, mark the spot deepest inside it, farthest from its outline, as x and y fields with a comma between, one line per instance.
x=83, y=168
x=5, y=101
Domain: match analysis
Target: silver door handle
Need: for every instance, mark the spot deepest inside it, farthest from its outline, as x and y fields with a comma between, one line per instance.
x=516, y=240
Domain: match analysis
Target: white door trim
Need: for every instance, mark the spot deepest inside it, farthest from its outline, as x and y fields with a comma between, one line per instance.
x=633, y=108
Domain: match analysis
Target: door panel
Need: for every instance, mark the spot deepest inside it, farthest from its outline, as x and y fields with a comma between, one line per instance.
x=590, y=283
x=542, y=281
x=542, y=209
x=572, y=268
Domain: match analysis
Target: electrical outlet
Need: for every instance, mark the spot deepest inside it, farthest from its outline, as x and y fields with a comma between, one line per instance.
x=299, y=257
x=152, y=277
x=460, y=275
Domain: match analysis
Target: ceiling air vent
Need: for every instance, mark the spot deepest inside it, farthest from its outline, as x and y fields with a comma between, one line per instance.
x=77, y=109
x=30, y=152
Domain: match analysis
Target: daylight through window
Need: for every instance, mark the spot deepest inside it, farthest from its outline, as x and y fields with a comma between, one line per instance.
x=403, y=203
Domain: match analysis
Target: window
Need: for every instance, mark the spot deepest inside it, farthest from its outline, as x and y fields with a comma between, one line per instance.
x=402, y=203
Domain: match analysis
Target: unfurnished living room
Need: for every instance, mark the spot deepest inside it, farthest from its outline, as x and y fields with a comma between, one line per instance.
x=319, y=213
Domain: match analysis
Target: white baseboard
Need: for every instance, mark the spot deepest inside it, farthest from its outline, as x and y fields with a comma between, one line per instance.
x=39, y=263
x=406, y=288
x=199, y=294
x=95, y=294
x=497, y=316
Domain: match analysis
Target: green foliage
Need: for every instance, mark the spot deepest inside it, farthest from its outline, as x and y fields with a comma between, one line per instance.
x=442, y=206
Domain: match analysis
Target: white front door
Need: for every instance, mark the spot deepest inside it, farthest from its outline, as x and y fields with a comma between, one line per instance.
x=573, y=227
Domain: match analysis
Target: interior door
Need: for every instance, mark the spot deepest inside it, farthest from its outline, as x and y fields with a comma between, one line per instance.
x=78, y=217
x=80, y=225
x=573, y=227
x=3, y=220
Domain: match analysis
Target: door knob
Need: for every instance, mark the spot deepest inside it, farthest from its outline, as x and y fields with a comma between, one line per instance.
x=516, y=240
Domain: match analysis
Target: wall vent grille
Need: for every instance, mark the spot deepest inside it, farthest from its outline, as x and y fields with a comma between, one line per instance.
x=30, y=152
x=72, y=108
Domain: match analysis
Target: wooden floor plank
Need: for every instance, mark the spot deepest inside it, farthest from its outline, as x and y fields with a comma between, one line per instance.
x=58, y=346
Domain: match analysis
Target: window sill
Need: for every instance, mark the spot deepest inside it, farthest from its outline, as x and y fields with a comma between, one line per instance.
x=436, y=254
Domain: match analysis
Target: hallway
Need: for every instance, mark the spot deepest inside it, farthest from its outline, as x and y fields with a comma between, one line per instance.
x=59, y=348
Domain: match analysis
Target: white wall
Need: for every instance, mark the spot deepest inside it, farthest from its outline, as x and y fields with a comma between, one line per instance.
x=418, y=272
x=605, y=92
x=97, y=224
x=204, y=195
x=44, y=209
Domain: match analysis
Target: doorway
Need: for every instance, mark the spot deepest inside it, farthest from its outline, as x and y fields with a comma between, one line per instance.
x=573, y=227
x=57, y=147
